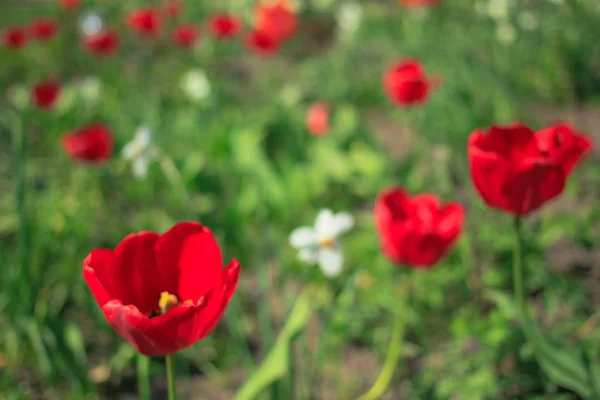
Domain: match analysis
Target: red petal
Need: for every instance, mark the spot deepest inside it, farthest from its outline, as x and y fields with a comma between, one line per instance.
x=98, y=268
x=490, y=173
x=424, y=210
x=167, y=251
x=450, y=222
x=137, y=280
x=200, y=267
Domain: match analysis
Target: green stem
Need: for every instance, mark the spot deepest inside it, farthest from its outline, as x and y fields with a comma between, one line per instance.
x=175, y=179
x=389, y=366
x=518, y=266
x=143, y=377
x=171, y=387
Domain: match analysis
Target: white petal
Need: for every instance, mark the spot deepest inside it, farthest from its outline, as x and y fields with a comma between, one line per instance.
x=330, y=260
x=309, y=255
x=303, y=237
x=143, y=137
x=325, y=225
x=343, y=223
x=140, y=167
x=130, y=150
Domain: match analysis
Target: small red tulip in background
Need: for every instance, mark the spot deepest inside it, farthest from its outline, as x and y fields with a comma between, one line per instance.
x=418, y=231
x=517, y=170
x=45, y=94
x=14, y=37
x=276, y=19
x=172, y=8
x=406, y=84
x=184, y=35
x=261, y=43
x=224, y=26
x=162, y=293
x=92, y=144
x=317, y=118
x=145, y=21
x=415, y=3
x=68, y=5
x=104, y=43
x=43, y=29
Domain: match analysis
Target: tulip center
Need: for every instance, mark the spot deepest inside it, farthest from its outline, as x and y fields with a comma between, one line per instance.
x=168, y=301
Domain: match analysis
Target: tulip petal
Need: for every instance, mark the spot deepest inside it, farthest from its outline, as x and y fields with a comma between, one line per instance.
x=98, y=268
x=533, y=185
x=167, y=251
x=200, y=268
x=490, y=173
x=137, y=280
x=450, y=222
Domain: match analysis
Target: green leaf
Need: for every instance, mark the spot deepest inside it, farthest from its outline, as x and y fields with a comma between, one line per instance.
x=277, y=362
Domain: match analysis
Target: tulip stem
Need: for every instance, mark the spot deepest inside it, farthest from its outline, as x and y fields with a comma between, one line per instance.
x=171, y=387
x=393, y=355
x=143, y=377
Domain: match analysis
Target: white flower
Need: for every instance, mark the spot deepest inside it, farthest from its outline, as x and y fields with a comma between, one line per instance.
x=90, y=88
x=348, y=18
x=498, y=9
x=90, y=24
x=139, y=152
x=319, y=244
x=195, y=85
x=528, y=20
x=506, y=33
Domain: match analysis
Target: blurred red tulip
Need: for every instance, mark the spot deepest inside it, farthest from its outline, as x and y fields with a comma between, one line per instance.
x=185, y=35
x=91, y=144
x=419, y=231
x=415, y=3
x=45, y=94
x=517, y=170
x=261, y=43
x=69, y=4
x=406, y=84
x=224, y=26
x=317, y=118
x=162, y=293
x=43, y=29
x=172, y=8
x=105, y=42
x=276, y=19
x=145, y=21
x=14, y=37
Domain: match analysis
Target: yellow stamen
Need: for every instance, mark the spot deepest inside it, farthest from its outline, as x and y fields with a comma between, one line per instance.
x=167, y=301
x=327, y=242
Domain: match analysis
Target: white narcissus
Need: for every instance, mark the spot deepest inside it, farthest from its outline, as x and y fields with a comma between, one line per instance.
x=139, y=152
x=319, y=244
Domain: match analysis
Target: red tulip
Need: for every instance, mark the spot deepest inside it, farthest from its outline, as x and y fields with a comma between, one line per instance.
x=15, y=38
x=104, y=43
x=261, y=43
x=224, y=26
x=69, y=4
x=415, y=3
x=406, y=84
x=276, y=19
x=43, y=29
x=173, y=8
x=92, y=144
x=317, y=118
x=185, y=35
x=517, y=170
x=162, y=293
x=419, y=231
x=145, y=21
x=45, y=94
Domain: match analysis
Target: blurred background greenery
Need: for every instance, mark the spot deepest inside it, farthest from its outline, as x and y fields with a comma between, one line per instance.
x=236, y=155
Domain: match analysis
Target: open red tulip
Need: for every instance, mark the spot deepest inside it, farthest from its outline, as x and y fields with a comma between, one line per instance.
x=145, y=21
x=103, y=43
x=261, y=43
x=224, y=26
x=406, y=84
x=92, y=144
x=14, y=37
x=185, y=35
x=45, y=94
x=517, y=170
x=43, y=29
x=162, y=293
x=276, y=19
x=317, y=118
x=418, y=231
